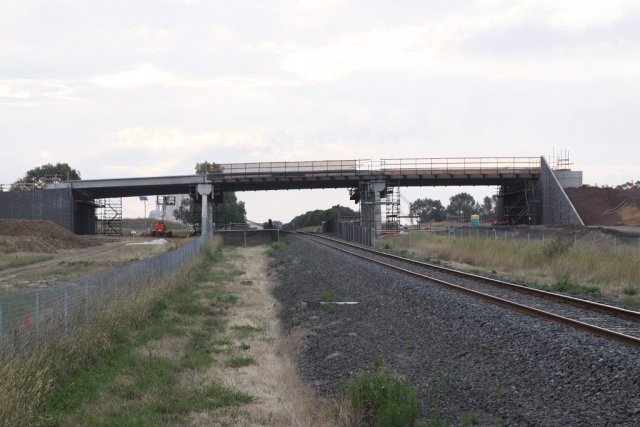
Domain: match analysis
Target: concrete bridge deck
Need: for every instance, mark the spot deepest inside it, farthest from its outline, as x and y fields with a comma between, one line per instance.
x=321, y=174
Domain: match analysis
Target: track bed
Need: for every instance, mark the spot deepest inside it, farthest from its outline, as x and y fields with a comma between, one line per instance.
x=468, y=360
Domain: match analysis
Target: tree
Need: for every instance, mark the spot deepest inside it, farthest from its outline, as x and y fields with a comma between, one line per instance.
x=186, y=212
x=427, y=210
x=207, y=167
x=628, y=185
x=486, y=209
x=461, y=205
x=42, y=175
x=316, y=217
x=231, y=210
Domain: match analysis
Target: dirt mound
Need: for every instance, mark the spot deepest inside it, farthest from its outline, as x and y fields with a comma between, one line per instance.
x=18, y=235
x=606, y=206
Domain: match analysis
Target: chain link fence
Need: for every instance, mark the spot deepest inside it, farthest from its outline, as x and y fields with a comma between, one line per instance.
x=40, y=317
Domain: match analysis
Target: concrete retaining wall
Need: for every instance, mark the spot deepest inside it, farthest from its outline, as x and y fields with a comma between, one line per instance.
x=557, y=209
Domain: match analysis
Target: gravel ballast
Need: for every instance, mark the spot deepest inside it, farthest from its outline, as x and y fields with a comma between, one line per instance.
x=470, y=362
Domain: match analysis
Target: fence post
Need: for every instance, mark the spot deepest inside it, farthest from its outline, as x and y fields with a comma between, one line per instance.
x=1, y=333
x=66, y=311
x=86, y=299
x=37, y=314
x=244, y=233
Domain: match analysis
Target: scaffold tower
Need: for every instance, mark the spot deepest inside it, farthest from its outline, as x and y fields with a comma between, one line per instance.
x=109, y=217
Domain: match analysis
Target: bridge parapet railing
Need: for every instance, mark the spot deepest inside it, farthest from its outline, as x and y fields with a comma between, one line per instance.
x=462, y=165
x=314, y=166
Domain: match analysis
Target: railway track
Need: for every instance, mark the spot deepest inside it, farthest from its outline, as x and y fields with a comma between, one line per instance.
x=610, y=322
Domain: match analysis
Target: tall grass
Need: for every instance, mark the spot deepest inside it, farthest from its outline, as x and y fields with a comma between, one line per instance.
x=610, y=269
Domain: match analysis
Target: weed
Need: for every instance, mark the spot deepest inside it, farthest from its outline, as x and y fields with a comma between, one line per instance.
x=630, y=291
x=276, y=247
x=246, y=282
x=437, y=420
x=297, y=322
x=331, y=308
x=197, y=350
x=328, y=295
x=244, y=346
x=237, y=273
x=409, y=346
x=387, y=246
x=306, y=258
x=382, y=398
x=631, y=302
x=499, y=391
x=223, y=341
x=470, y=420
x=557, y=246
x=240, y=362
x=185, y=302
x=245, y=331
x=565, y=284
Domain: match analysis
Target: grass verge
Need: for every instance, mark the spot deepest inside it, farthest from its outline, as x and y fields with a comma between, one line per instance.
x=21, y=259
x=558, y=263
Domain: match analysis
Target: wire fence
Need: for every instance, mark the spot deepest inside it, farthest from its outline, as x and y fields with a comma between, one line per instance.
x=40, y=317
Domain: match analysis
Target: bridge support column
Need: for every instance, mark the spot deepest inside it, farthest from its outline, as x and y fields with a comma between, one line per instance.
x=205, y=191
x=370, y=205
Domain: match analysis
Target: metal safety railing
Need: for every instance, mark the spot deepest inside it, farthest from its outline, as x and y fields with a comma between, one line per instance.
x=315, y=166
x=36, y=318
x=462, y=165
x=448, y=165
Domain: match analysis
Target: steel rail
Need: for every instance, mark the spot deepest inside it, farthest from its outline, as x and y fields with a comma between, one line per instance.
x=540, y=293
x=576, y=324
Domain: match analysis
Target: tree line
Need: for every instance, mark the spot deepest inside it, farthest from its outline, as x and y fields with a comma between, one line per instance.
x=318, y=216
x=461, y=206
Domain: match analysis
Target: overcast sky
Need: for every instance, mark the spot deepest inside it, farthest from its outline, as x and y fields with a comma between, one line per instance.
x=146, y=88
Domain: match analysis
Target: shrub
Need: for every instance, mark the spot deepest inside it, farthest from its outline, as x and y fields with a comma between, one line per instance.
x=382, y=399
x=557, y=246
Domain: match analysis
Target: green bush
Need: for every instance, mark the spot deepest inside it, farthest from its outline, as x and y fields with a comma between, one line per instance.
x=565, y=284
x=557, y=246
x=383, y=399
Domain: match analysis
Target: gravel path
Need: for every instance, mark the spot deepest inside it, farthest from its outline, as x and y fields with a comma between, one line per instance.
x=469, y=361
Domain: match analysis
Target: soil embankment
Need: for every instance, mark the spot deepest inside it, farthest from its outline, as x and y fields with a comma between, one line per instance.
x=20, y=235
x=606, y=206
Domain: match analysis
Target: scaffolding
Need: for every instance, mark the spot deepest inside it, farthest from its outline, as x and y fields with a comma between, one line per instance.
x=109, y=217
x=392, y=202
x=522, y=202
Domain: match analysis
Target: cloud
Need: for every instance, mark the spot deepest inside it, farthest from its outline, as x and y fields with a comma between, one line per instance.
x=136, y=76
x=153, y=40
x=29, y=92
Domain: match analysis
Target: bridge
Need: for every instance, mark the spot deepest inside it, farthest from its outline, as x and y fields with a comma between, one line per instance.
x=530, y=190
